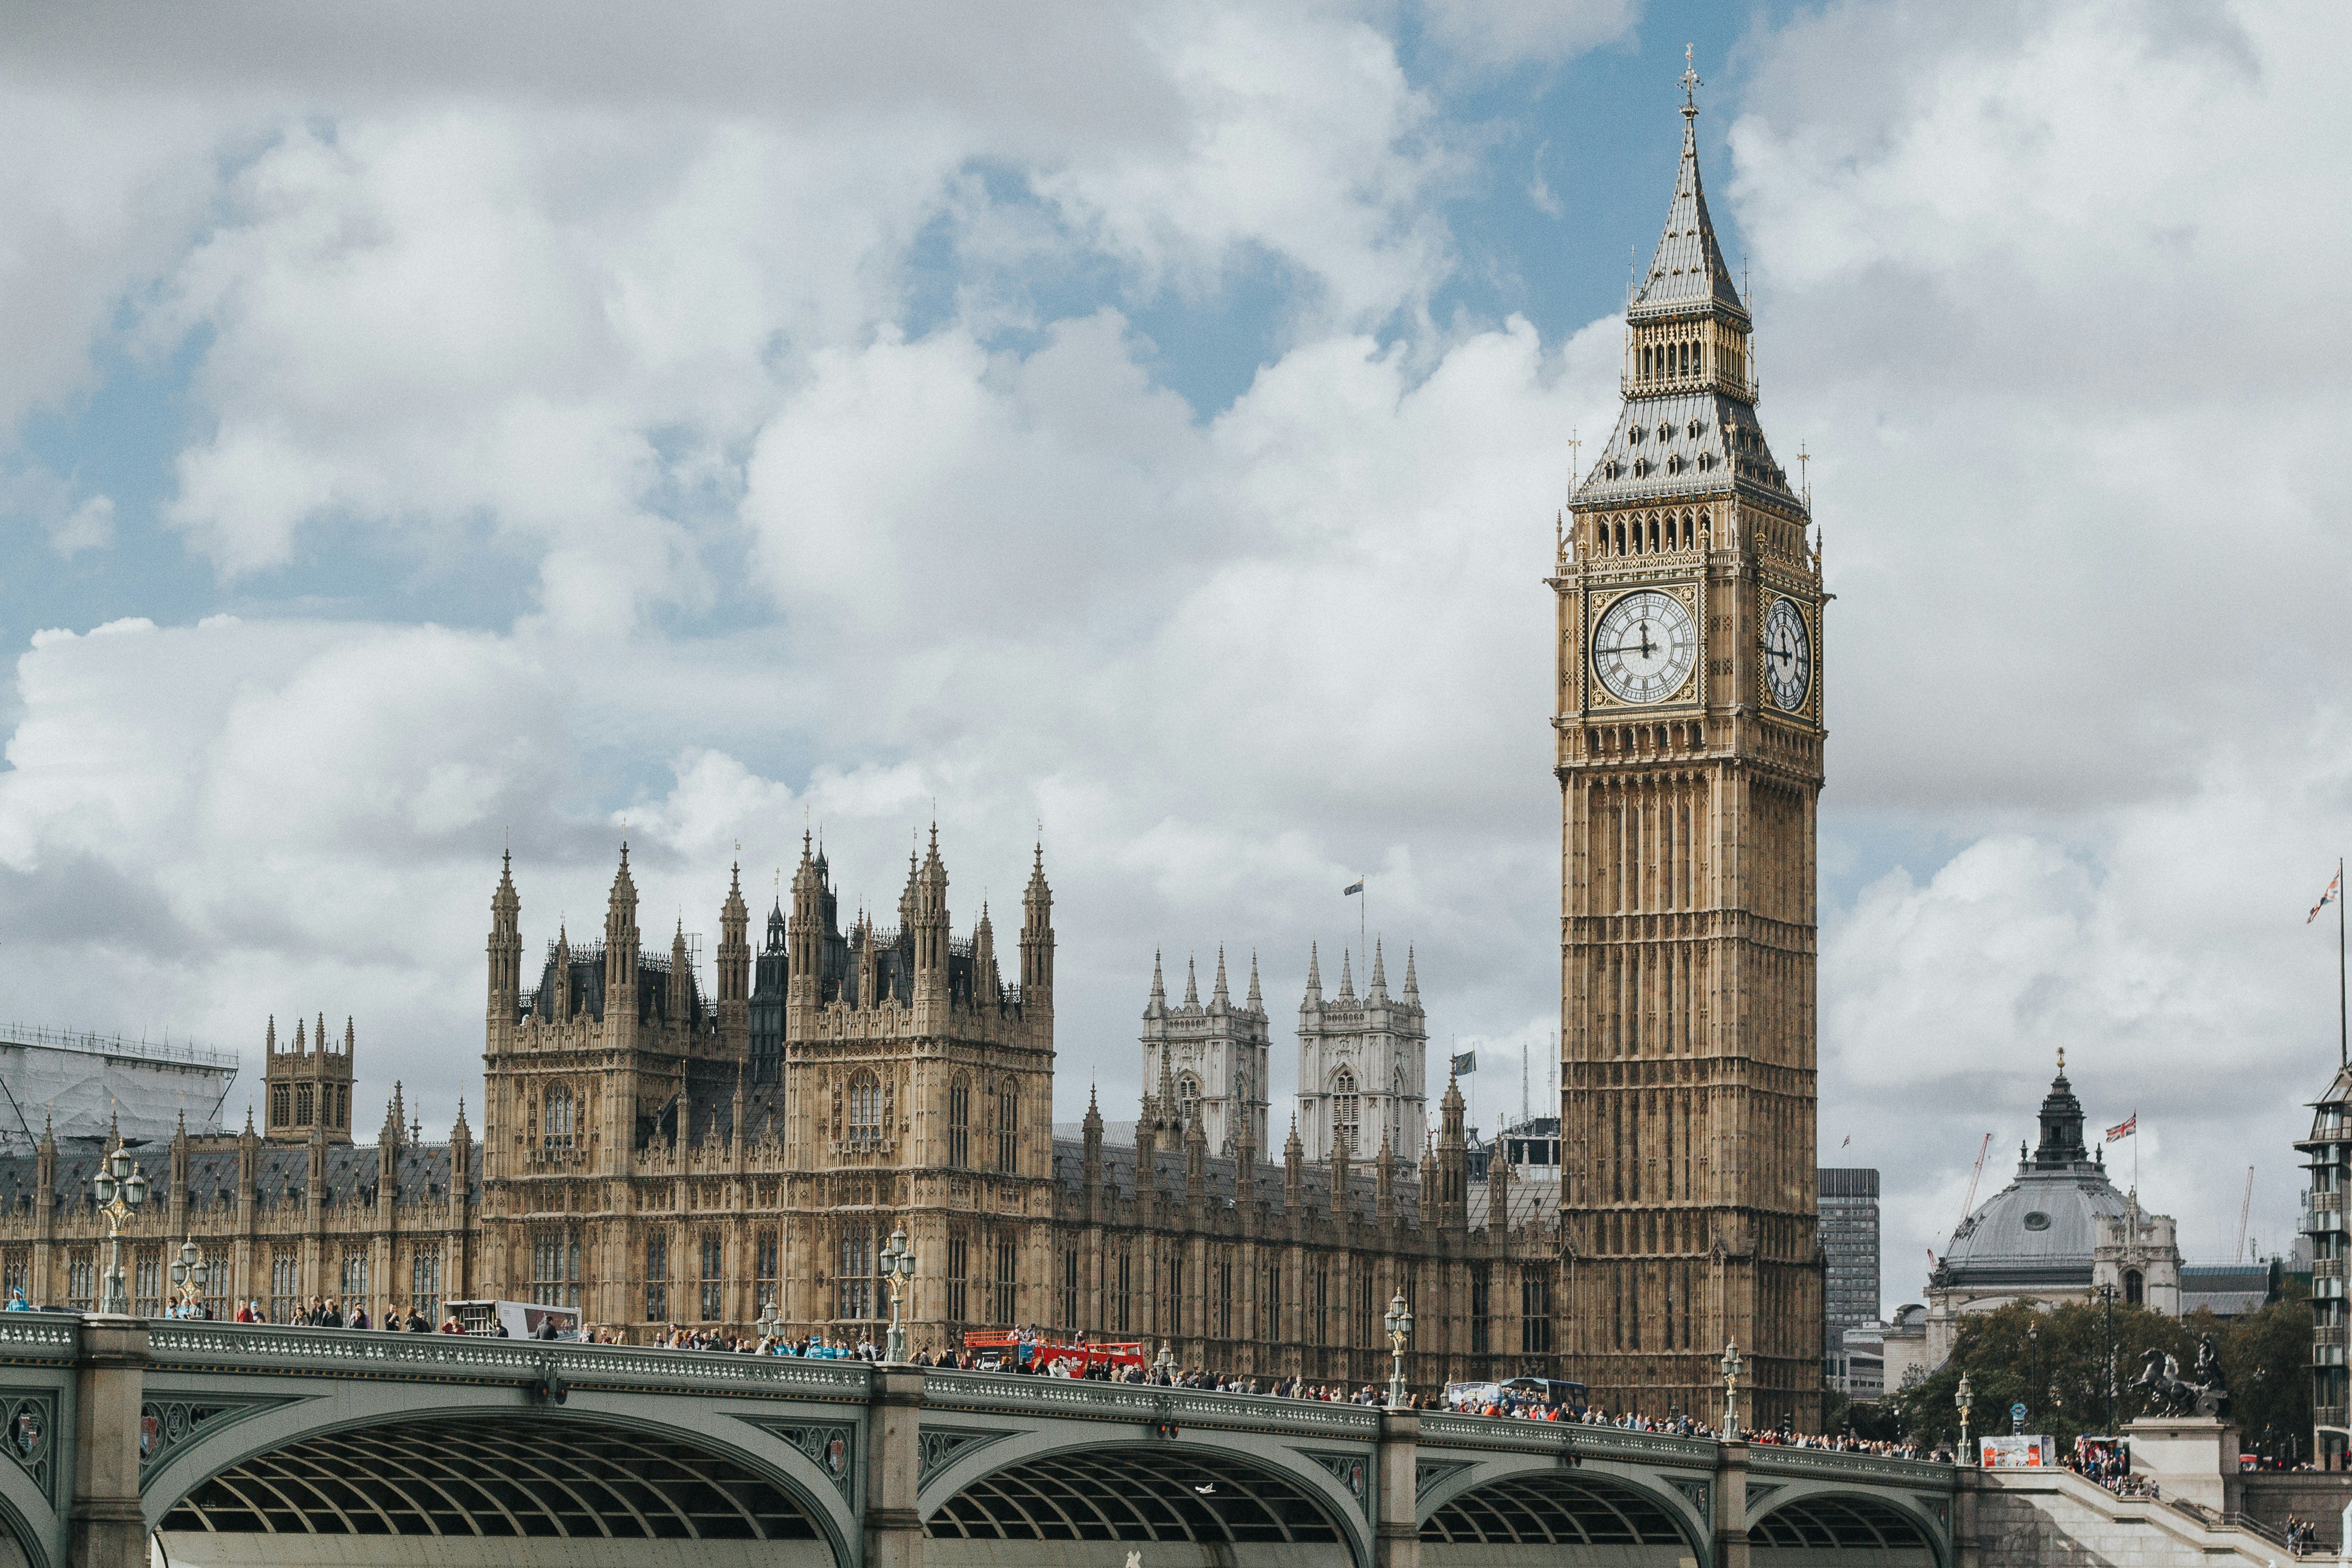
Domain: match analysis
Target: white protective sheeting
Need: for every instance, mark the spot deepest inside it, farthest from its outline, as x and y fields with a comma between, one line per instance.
x=79, y=1090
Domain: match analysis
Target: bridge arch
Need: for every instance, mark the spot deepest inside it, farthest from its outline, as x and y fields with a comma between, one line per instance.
x=1836, y=1528
x=1540, y=1511
x=527, y=1485
x=1182, y=1501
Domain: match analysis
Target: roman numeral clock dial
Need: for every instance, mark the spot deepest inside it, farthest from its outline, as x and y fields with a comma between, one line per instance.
x=1644, y=647
x=1787, y=655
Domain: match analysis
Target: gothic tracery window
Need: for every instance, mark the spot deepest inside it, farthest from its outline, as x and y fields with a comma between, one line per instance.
x=1188, y=1098
x=865, y=1108
x=556, y=1125
x=1008, y=1127
x=960, y=1120
x=1344, y=1111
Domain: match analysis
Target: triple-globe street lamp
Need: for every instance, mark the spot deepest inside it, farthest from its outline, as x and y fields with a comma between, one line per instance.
x=120, y=1188
x=897, y=1267
x=189, y=1275
x=1399, y=1321
x=1731, y=1365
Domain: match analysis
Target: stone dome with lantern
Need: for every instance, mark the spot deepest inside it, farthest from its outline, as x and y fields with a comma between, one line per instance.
x=2059, y=1231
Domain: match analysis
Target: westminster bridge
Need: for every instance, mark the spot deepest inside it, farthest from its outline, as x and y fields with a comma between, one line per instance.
x=130, y=1441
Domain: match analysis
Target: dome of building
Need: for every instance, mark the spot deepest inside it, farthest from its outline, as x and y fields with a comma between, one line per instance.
x=2043, y=1229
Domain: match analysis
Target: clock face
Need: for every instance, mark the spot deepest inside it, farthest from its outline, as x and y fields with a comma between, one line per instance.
x=1644, y=647
x=1787, y=655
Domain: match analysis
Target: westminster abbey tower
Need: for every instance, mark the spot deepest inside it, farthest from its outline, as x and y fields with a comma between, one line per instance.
x=1689, y=730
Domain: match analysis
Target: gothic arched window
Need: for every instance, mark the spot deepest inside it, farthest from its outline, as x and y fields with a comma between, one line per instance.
x=1188, y=1097
x=865, y=1108
x=281, y=1106
x=2133, y=1287
x=1344, y=1111
x=555, y=1126
x=960, y=1120
x=302, y=1105
x=1008, y=1127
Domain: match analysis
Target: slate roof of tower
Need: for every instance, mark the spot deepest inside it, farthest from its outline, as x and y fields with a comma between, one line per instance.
x=1729, y=436
x=1689, y=272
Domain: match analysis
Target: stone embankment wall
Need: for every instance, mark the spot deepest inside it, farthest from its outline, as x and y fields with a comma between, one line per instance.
x=2056, y=1519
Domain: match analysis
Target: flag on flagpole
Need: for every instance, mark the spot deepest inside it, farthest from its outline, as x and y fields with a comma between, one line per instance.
x=1352, y=889
x=1849, y=1138
x=2125, y=1129
x=1466, y=1062
x=2334, y=891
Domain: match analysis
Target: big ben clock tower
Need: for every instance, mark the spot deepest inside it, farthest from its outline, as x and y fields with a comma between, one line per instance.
x=1688, y=715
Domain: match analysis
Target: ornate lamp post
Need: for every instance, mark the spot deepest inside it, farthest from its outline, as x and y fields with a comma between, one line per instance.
x=2107, y=1294
x=190, y=1274
x=1398, y=1319
x=771, y=1326
x=897, y=1267
x=121, y=1191
x=1731, y=1364
x=1963, y=1400
x=1164, y=1364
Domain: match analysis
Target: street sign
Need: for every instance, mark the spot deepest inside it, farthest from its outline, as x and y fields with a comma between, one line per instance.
x=2017, y=1412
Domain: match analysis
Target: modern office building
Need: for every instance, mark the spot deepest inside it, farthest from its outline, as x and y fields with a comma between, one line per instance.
x=2327, y=1153
x=1849, y=1232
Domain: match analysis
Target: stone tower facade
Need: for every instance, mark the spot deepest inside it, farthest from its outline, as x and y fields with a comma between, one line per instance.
x=1206, y=1065
x=307, y=1085
x=1362, y=1065
x=1689, y=733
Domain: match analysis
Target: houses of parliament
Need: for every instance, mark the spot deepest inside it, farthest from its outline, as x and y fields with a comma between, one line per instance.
x=661, y=1152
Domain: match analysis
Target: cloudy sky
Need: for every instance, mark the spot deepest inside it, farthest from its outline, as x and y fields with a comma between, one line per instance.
x=433, y=427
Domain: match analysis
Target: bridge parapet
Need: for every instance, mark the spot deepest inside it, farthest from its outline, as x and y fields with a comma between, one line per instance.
x=38, y=1337
x=339, y=1353
x=1078, y=1399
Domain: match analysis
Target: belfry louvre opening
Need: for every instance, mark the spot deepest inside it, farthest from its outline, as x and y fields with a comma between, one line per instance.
x=472, y=1477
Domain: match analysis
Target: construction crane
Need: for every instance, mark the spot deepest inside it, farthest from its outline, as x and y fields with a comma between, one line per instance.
x=2244, y=1209
x=1969, y=1206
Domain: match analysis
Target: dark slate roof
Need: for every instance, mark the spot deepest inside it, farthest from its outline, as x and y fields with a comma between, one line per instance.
x=281, y=1173
x=1684, y=446
x=1689, y=272
x=1121, y=1170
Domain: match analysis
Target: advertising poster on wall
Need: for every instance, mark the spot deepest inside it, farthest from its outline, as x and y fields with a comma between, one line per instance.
x=2018, y=1452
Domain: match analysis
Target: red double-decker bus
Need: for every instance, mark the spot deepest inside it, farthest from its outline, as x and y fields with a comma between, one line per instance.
x=1003, y=1349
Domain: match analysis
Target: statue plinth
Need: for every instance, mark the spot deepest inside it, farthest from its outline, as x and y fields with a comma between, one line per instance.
x=2191, y=1457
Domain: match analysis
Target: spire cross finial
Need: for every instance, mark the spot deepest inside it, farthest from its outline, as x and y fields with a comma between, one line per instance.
x=1691, y=84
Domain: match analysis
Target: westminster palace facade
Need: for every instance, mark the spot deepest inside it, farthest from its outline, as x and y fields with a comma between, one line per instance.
x=658, y=1153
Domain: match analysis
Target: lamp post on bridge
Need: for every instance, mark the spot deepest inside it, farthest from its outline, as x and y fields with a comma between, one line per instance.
x=190, y=1274
x=2107, y=1294
x=1963, y=1400
x=1398, y=1319
x=121, y=1187
x=897, y=1267
x=1731, y=1365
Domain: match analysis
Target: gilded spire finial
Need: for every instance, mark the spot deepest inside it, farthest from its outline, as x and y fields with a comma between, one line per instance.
x=2062, y=1060
x=1691, y=84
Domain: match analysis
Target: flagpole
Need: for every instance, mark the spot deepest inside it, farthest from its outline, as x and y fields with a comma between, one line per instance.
x=2343, y=1041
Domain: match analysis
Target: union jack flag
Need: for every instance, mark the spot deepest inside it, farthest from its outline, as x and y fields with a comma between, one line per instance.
x=2123, y=1130
x=2334, y=891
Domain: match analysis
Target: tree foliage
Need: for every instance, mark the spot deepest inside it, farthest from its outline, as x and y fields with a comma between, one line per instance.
x=2056, y=1361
